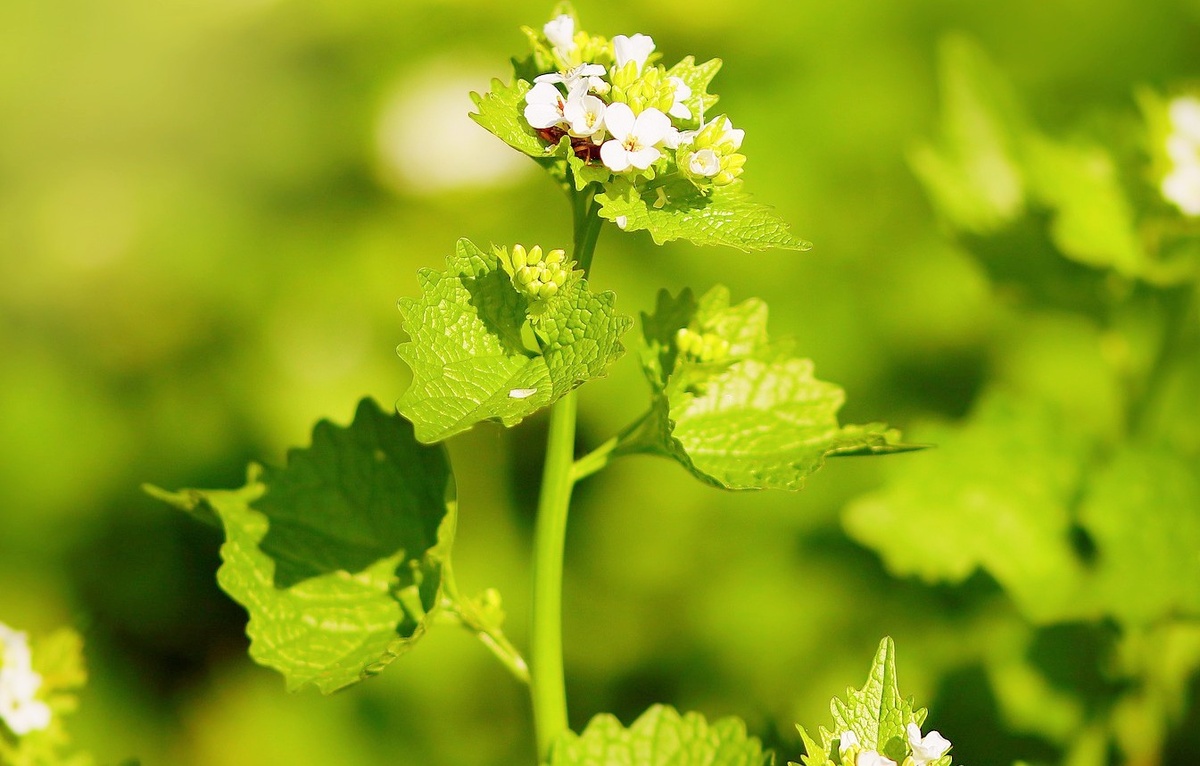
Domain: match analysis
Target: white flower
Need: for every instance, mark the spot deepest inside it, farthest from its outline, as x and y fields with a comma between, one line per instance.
x=1185, y=117
x=585, y=116
x=928, y=748
x=872, y=758
x=637, y=48
x=575, y=77
x=847, y=739
x=561, y=33
x=706, y=163
x=682, y=93
x=544, y=106
x=634, y=139
x=1182, y=187
x=20, y=711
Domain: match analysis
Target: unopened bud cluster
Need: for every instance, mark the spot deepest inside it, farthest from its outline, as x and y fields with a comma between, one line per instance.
x=539, y=276
x=624, y=112
x=701, y=347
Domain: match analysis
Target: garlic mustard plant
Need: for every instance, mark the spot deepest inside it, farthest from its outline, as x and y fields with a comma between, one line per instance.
x=343, y=557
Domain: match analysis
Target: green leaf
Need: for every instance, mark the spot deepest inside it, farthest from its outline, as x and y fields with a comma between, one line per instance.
x=876, y=714
x=337, y=557
x=754, y=417
x=660, y=737
x=1092, y=220
x=697, y=77
x=1143, y=515
x=678, y=210
x=997, y=496
x=501, y=112
x=469, y=360
x=973, y=174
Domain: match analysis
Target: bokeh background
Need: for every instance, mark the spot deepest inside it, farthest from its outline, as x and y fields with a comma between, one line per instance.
x=207, y=213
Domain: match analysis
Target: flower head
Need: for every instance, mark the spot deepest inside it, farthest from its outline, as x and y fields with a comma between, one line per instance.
x=634, y=140
x=544, y=105
x=928, y=748
x=585, y=116
x=560, y=31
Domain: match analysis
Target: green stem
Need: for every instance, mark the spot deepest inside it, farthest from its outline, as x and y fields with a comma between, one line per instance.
x=598, y=458
x=547, y=681
x=547, y=684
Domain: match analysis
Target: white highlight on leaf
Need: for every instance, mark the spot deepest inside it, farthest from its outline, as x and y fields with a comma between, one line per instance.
x=20, y=710
x=521, y=393
x=928, y=748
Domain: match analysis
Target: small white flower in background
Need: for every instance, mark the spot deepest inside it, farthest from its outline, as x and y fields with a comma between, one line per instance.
x=928, y=748
x=637, y=49
x=544, y=105
x=561, y=33
x=1185, y=117
x=847, y=739
x=585, y=117
x=634, y=140
x=872, y=758
x=1181, y=185
x=683, y=92
x=19, y=709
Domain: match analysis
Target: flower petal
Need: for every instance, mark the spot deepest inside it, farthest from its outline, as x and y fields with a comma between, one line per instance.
x=643, y=158
x=619, y=120
x=651, y=127
x=614, y=156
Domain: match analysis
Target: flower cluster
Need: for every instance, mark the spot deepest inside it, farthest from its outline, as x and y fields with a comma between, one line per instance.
x=537, y=275
x=624, y=113
x=20, y=710
x=925, y=750
x=1181, y=185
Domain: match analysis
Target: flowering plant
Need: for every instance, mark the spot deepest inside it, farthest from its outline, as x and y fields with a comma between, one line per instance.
x=343, y=557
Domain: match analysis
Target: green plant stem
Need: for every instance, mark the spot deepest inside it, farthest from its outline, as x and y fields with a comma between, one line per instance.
x=598, y=458
x=547, y=682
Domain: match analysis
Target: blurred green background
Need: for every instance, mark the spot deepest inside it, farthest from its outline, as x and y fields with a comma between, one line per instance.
x=207, y=213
